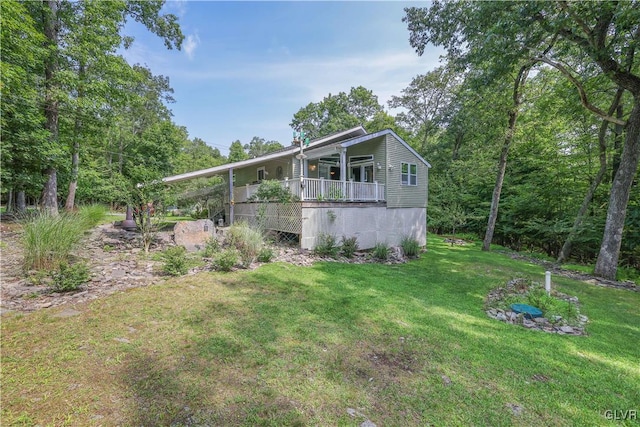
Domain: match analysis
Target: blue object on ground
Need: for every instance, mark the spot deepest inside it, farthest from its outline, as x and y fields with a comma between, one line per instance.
x=529, y=311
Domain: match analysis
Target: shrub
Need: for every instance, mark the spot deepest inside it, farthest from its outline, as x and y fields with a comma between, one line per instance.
x=381, y=251
x=211, y=247
x=175, y=261
x=410, y=246
x=265, y=254
x=327, y=245
x=271, y=190
x=68, y=278
x=247, y=240
x=48, y=240
x=226, y=259
x=349, y=246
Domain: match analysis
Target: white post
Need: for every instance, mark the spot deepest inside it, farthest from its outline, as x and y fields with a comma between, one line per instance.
x=231, y=199
x=547, y=282
x=322, y=187
x=376, y=189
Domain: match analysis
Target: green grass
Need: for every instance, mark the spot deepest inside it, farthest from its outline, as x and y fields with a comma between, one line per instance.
x=289, y=345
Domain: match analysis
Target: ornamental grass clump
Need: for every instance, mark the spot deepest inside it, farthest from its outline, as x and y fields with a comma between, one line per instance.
x=349, y=246
x=381, y=251
x=410, y=246
x=48, y=240
x=247, y=240
x=92, y=215
x=327, y=246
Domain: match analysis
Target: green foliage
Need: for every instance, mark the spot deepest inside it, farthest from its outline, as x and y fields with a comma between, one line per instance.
x=337, y=112
x=211, y=247
x=404, y=325
x=259, y=147
x=381, y=251
x=265, y=255
x=48, y=240
x=247, y=240
x=67, y=278
x=349, y=246
x=410, y=246
x=226, y=259
x=92, y=214
x=271, y=190
x=175, y=261
x=327, y=246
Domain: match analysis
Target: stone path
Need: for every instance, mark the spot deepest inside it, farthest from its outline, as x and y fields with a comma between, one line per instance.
x=111, y=254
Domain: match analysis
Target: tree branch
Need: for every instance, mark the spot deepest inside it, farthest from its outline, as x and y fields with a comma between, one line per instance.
x=581, y=91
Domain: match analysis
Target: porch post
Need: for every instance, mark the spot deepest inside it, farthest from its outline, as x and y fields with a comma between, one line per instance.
x=343, y=171
x=376, y=188
x=322, y=187
x=231, y=201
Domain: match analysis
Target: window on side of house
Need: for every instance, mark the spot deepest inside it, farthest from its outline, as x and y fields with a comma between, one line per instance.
x=261, y=174
x=409, y=175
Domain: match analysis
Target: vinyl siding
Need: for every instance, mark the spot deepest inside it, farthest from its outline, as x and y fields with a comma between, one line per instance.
x=377, y=147
x=249, y=174
x=398, y=195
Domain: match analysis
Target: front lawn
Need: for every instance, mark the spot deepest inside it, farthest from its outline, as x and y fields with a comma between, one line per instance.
x=332, y=344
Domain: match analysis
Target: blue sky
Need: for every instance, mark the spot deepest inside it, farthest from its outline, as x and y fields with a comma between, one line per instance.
x=246, y=68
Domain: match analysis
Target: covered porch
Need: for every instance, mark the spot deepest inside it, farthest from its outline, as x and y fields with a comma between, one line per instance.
x=320, y=189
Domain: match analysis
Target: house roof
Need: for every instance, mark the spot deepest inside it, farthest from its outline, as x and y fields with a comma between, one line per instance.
x=344, y=139
x=284, y=152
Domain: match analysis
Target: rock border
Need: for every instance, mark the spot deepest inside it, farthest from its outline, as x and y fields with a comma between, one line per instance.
x=521, y=286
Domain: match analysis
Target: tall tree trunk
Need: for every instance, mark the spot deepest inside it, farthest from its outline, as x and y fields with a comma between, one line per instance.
x=502, y=163
x=602, y=147
x=21, y=202
x=75, y=149
x=50, y=191
x=73, y=183
x=617, y=144
x=10, y=202
x=607, y=262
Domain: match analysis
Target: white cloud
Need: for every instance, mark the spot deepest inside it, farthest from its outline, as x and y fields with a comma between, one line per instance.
x=190, y=44
x=386, y=74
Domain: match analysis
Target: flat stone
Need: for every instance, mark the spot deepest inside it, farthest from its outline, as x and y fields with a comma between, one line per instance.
x=540, y=320
x=501, y=316
x=367, y=423
x=566, y=329
x=118, y=273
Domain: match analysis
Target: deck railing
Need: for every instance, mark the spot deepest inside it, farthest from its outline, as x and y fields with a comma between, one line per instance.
x=313, y=189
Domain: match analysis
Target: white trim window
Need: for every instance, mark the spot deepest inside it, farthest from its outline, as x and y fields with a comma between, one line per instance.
x=261, y=174
x=409, y=175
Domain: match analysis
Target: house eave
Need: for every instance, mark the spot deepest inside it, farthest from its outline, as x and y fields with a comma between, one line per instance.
x=286, y=152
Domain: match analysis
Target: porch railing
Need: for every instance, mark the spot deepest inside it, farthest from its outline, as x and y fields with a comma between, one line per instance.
x=321, y=189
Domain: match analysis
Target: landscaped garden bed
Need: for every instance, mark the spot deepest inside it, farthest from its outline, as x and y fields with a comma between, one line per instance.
x=560, y=313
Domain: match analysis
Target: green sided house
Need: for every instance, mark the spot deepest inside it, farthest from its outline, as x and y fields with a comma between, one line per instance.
x=373, y=186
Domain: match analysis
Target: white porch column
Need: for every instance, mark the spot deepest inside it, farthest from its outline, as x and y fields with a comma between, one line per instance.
x=343, y=172
x=231, y=201
x=343, y=164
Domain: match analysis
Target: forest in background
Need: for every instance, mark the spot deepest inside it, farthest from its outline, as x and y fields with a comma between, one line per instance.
x=532, y=118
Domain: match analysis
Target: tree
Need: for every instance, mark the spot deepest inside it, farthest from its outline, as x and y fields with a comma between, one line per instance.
x=22, y=119
x=424, y=101
x=81, y=41
x=337, y=112
x=259, y=147
x=600, y=34
x=236, y=152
